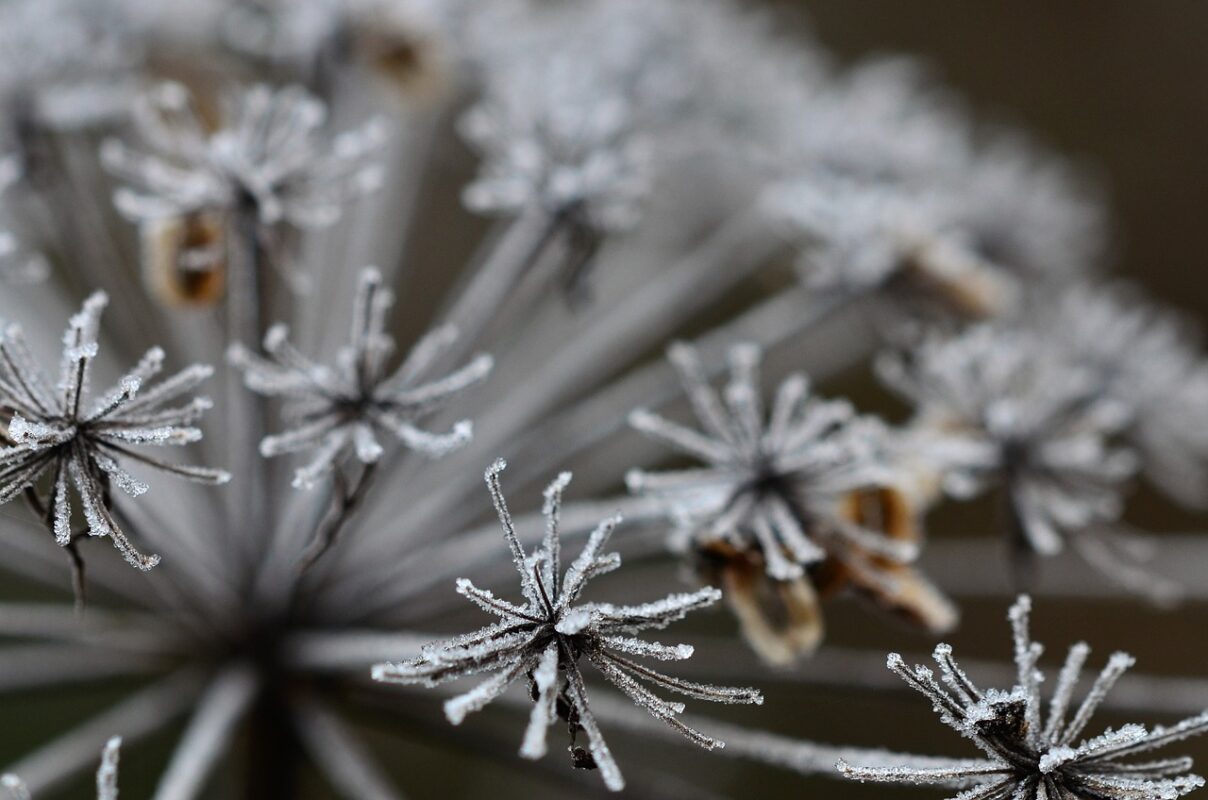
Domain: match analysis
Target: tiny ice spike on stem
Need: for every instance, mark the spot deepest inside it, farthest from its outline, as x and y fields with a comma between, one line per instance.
x=106, y=776
x=339, y=410
x=53, y=428
x=546, y=637
x=1033, y=758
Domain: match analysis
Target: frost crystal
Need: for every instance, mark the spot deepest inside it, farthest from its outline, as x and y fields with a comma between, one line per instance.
x=339, y=410
x=268, y=156
x=1033, y=757
x=789, y=488
x=1001, y=406
x=56, y=429
x=106, y=776
x=546, y=636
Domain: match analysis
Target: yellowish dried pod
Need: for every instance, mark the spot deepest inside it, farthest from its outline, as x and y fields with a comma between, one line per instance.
x=185, y=258
x=958, y=279
x=407, y=57
x=896, y=587
x=780, y=620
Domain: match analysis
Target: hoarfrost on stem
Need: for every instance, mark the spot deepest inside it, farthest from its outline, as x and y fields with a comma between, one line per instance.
x=547, y=636
x=338, y=411
x=1034, y=756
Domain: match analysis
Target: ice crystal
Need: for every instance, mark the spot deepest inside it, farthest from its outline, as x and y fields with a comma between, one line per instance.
x=1033, y=757
x=787, y=486
x=268, y=155
x=55, y=429
x=1005, y=408
x=546, y=637
x=106, y=776
x=338, y=411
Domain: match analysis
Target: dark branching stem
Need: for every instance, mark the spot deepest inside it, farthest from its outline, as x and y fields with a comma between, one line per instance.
x=1022, y=555
x=345, y=502
x=248, y=261
x=46, y=513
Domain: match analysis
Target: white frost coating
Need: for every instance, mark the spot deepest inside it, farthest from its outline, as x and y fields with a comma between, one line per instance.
x=339, y=411
x=1002, y=405
x=816, y=449
x=14, y=787
x=106, y=775
x=545, y=678
x=547, y=636
x=55, y=429
x=270, y=147
x=1027, y=756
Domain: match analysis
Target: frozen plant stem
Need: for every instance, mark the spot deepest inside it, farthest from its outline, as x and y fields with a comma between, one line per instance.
x=347, y=498
x=46, y=514
x=515, y=252
x=245, y=319
x=737, y=249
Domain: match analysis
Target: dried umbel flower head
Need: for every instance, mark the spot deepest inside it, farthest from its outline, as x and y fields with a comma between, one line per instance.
x=199, y=194
x=1148, y=359
x=55, y=428
x=268, y=153
x=106, y=776
x=340, y=410
x=861, y=238
x=1029, y=756
x=784, y=492
x=884, y=184
x=1002, y=407
x=547, y=637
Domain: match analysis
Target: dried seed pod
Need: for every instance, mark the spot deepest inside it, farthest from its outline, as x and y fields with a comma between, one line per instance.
x=895, y=586
x=961, y=283
x=185, y=258
x=780, y=620
x=401, y=52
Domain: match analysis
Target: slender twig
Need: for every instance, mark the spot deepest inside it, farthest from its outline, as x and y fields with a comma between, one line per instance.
x=208, y=735
x=345, y=502
x=45, y=513
x=499, y=273
x=142, y=713
x=736, y=250
x=244, y=322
